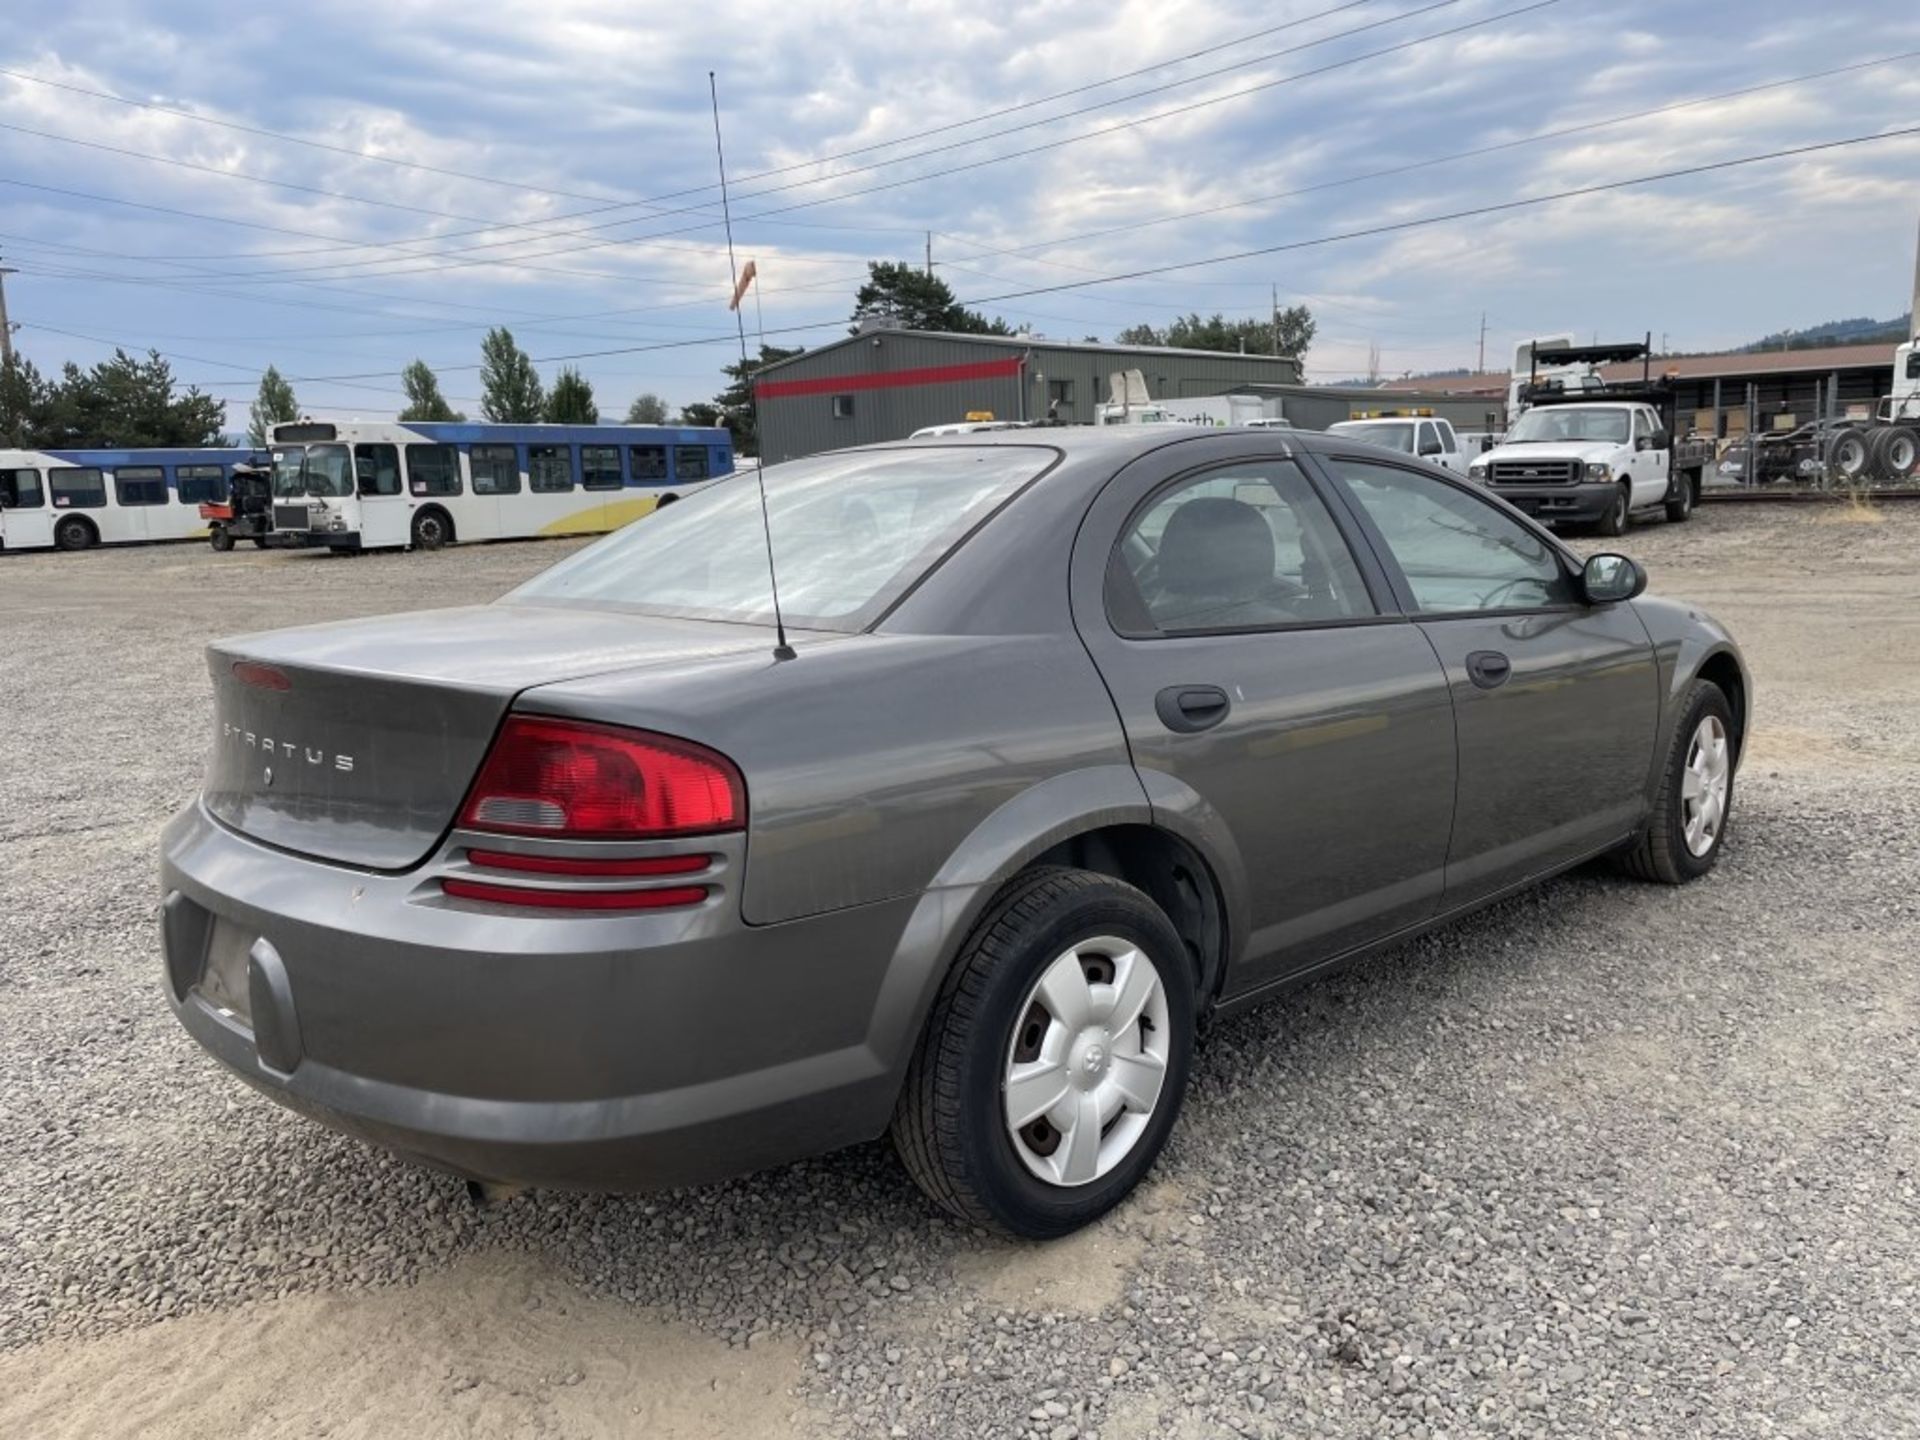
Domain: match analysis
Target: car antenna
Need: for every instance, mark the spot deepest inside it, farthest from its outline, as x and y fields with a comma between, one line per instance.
x=781, y=650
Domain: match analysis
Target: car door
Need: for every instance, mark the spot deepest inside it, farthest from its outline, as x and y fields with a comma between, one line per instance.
x=1555, y=701
x=1266, y=683
x=1451, y=455
x=1649, y=462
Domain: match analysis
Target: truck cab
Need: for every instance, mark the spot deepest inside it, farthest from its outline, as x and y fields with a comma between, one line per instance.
x=1421, y=433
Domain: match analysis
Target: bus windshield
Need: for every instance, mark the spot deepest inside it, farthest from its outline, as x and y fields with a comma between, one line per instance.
x=311, y=470
x=287, y=460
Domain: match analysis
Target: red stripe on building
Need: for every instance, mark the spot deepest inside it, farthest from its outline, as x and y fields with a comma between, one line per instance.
x=890, y=379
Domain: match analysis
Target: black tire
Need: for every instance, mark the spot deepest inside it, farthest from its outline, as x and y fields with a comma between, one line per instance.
x=220, y=538
x=1686, y=494
x=1661, y=853
x=1614, y=522
x=73, y=533
x=431, y=529
x=1895, y=453
x=949, y=1126
x=1847, y=456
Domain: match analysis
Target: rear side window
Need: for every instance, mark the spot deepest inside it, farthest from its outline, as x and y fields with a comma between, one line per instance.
x=20, y=490
x=201, y=484
x=690, y=462
x=377, y=469
x=77, y=488
x=140, y=485
x=851, y=532
x=1246, y=547
x=600, y=467
x=649, y=462
x=433, y=469
x=496, y=470
x=550, y=467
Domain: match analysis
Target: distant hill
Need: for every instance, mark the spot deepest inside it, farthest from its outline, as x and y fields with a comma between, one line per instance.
x=1858, y=331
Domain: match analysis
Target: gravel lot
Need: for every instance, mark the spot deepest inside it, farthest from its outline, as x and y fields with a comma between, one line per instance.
x=1604, y=1160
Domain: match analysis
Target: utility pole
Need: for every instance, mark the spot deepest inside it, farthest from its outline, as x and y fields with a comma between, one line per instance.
x=1481, y=367
x=1276, y=322
x=6, y=327
x=929, y=254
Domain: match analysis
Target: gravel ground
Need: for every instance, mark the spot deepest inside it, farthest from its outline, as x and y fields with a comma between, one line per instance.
x=1606, y=1159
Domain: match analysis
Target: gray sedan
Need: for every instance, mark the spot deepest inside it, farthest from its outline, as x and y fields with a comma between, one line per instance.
x=1078, y=737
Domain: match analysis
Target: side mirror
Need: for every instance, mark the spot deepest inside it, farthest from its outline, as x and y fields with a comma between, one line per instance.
x=1431, y=447
x=1610, y=579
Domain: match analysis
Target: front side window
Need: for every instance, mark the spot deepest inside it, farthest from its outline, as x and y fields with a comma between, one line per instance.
x=377, y=469
x=77, y=488
x=1642, y=424
x=851, y=532
x=1913, y=364
x=201, y=484
x=140, y=485
x=1245, y=547
x=433, y=469
x=20, y=490
x=1449, y=445
x=496, y=470
x=550, y=468
x=329, y=471
x=649, y=462
x=600, y=467
x=1429, y=438
x=1457, y=551
x=690, y=462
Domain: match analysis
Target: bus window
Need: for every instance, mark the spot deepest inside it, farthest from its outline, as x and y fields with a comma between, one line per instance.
x=20, y=490
x=140, y=485
x=200, y=484
x=433, y=469
x=287, y=460
x=690, y=462
x=649, y=463
x=82, y=488
x=496, y=470
x=328, y=471
x=600, y=467
x=376, y=469
x=550, y=467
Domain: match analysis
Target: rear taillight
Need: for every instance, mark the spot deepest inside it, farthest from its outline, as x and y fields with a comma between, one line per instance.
x=665, y=898
x=571, y=780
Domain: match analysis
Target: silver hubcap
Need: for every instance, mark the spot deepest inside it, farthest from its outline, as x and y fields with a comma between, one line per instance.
x=1703, y=785
x=1087, y=1061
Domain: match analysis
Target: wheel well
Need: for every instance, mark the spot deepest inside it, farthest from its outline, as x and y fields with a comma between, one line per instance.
x=84, y=522
x=1724, y=671
x=1171, y=873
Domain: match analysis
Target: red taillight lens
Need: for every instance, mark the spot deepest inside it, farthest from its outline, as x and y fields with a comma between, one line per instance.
x=663, y=899
x=569, y=865
x=264, y=677
x=574, y=780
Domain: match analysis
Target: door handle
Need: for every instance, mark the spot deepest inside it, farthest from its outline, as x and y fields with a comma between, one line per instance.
x=1488, y=669
x=1189, y=708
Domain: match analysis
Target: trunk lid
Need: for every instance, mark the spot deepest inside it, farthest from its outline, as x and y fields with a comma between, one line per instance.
x=356, y=742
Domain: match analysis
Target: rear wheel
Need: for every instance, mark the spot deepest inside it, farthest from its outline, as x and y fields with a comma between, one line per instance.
x=1055, y=1059
x=1614, y=522
x=220, y=538
x=73, y=533
x=431, y=530
x=1847, y=456
x=1690, y=811
x=1895, y=453
x=1685, y=494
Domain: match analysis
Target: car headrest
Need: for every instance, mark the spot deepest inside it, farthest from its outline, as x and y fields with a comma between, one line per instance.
x=1215, y=546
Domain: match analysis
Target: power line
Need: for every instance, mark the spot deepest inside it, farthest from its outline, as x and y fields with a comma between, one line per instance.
x=1298, y=76
x=1393, y=227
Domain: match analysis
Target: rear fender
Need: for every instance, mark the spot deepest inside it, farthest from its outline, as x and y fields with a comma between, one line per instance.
x=1687, y=642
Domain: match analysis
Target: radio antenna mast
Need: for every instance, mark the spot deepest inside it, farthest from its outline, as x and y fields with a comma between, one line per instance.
x=781, y=649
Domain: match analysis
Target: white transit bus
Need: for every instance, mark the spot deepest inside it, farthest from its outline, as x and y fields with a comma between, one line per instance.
x=354, y=486
x=74, y=499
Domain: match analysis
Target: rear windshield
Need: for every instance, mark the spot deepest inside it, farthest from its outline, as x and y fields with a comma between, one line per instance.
x=851, y=533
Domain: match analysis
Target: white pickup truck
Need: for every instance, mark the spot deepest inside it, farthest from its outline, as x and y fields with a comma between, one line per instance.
x=1430, y=437
x=1584, y=460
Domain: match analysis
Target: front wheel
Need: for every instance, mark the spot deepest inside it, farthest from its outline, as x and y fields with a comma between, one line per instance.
x=221, y=539
x=1614, y=522
x=431, y=530
x=73, y=534
x=1054, y=1062
x=1690, y=811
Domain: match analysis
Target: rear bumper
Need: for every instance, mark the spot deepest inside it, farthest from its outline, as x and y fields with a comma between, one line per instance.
x=598, y=1052
x=1579, y=503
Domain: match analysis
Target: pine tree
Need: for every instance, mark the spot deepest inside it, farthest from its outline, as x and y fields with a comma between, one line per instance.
x=424, y=400
x=510, y=390
x=25, y=399
x=907, y=296
x=275, y=405
x=571, y=400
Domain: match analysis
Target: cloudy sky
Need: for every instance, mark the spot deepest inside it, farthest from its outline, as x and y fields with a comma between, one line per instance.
x=388, y=180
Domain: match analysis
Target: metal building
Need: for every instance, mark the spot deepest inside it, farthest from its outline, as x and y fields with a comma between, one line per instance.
x=884, y=384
